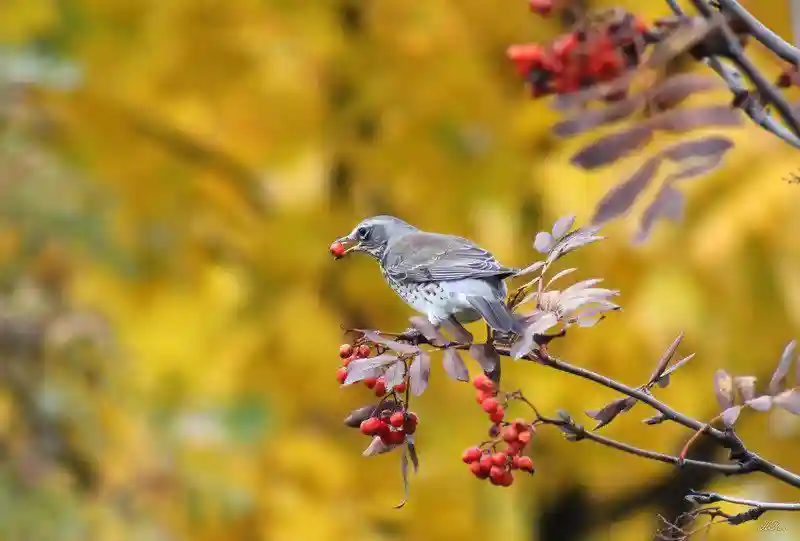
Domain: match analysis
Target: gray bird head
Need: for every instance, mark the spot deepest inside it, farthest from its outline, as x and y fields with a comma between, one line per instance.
x=373, y=235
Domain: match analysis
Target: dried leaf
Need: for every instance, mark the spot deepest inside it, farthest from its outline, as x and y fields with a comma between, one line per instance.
x=723, y=388
x=678, y=364
x=789, y=400
x=696, y=169
x=666, y=357
x=486, y=356
x=419, y=373
x=543, y=242
x=686, y=119
x=697, y=148
x=357, y=416
x=457, y=330
x=668, y=203
x=454, y=365
x=395, y=374
x=592, y=118
x=621, y=197
x=563, y=226
x=677, y=88
x=530, y=268
x=761, y=403
x=578, y=287
x=589, y=321
x=428, y=330
x=368, y=368
x=610, y=411
x=377, y=447
x=778, y=381
x=730, y=415
x=400, y=347
x=412, y=452
x=688, y=34
x=611, y=148
x=577, y=239
x=558, y=275
x=656, y=419
x=404, y=474
x=746, y=386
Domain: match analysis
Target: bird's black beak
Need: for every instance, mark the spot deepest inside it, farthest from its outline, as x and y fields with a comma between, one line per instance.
x=344, y=245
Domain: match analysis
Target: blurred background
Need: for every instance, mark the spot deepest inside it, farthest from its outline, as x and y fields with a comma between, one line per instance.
x=171, y=174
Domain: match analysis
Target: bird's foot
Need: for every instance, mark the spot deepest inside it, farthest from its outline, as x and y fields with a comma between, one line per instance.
x=413, y=336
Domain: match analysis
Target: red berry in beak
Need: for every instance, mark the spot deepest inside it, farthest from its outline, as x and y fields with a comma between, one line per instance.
x=337, y=249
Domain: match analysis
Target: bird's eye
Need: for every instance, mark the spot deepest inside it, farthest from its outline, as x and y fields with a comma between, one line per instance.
x=363, y=233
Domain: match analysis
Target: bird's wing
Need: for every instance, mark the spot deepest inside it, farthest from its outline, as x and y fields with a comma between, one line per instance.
x=429, y=257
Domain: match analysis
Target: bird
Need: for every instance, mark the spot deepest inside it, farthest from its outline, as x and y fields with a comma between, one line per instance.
x=440, y=276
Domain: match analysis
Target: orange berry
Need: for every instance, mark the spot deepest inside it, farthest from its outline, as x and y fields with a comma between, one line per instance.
x=497, y=415
x=478, y=470
x=364, y=350
x=397, y=419
x=525, y=463
x=341, y=375
x=370, y=382
x=337, y=249
x=380, y=387
x=510, y=434
x=499, y=459
x=490, y=405
x=345, y=350
x=473, y=454
x=370, y=426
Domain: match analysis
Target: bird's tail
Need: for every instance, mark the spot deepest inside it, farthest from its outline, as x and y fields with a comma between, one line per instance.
x=496, y=314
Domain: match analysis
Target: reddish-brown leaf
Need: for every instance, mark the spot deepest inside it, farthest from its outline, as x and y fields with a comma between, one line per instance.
x=612, y=147
x=621, y=197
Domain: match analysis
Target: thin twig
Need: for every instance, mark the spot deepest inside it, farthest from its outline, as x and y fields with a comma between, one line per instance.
x=764, y=35
x=705, y=498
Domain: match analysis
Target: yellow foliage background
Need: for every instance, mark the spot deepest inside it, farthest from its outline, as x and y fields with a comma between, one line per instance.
x=171, y=174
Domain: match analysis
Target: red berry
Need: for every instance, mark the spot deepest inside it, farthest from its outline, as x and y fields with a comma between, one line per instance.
x=497, y=415
x=514, y=462
x=341, y=375
x=364, y=351
x=347, y=360
x=524, y=437
x=481, y=382
x=507, y=480
x=526, y=57
x=400, y=388
x=471, y=455
x=411, y=422
x=370, y=426
x=370, y=382
x=490, y=405
x=397, y=419
x=541, y=7
x=510, y=434
x=480, y=396
x=380, y=387
x=337, y=249
x=486, y=461
x=513, y=448
x=345, y=350
x=394, y=437
x=520, y=425
x=525, y=464
x=499, y=459
x=563, y=46
x=496, y=475
x=478, y=470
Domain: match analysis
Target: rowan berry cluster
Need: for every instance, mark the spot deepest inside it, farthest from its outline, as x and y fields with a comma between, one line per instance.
x=488, y=461
x=594, y=53
x=391, y=426
x=350, y=353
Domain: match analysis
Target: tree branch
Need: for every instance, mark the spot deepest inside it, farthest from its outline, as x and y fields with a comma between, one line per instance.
x=764, y=35
x=705, y=498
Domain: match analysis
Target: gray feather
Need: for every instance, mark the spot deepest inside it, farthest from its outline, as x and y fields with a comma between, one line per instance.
x=430, y=257
x=495, y=313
